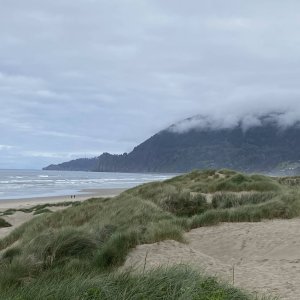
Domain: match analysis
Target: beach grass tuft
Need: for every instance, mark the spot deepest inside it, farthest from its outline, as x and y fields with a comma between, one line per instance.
x=42, y=211
x=4, y=223
x=177, y=282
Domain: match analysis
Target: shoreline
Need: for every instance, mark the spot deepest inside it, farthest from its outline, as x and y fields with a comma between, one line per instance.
x=84, y=195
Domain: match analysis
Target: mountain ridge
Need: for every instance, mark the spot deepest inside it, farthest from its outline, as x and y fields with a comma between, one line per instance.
x=260, y=148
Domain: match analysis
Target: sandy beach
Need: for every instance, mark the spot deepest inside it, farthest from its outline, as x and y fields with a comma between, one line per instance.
x=265, y=255
x=85, y=194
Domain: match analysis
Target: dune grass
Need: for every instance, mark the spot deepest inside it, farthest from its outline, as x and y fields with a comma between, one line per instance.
x=38, y=207
x=42, y=211
x=90, y=239
x=173, y=283
x=4, y=223
x=229, y=199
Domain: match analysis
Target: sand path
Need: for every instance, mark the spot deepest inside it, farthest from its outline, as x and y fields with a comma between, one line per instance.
x=265, y=255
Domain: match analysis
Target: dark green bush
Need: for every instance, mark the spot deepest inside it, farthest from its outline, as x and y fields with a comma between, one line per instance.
x=9, y=212
x=41, y=211
x=185, y=204
x=4, y=223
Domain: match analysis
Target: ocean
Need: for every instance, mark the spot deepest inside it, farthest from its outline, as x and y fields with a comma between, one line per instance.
x=15, y=184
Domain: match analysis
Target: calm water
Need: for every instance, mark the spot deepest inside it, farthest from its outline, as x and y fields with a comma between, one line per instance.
x=16, y=184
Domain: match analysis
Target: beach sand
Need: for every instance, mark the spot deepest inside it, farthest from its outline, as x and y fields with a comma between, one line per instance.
x=265, y=255
x=85, y=194
x=18, y=218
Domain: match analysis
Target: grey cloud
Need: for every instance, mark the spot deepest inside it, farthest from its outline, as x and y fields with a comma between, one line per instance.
x=91, y=76
x=5, y=147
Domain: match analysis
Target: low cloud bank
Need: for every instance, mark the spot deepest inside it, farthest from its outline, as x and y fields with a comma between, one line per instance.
x=214, y=122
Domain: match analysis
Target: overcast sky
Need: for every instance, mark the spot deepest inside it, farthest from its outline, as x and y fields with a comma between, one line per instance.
x=80, y=77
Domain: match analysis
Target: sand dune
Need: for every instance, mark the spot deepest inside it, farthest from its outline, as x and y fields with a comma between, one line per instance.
x=265, y=255
x=18, y=218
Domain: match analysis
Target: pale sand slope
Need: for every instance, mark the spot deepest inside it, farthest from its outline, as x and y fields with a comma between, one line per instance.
x=266, y=255
x=19, y=218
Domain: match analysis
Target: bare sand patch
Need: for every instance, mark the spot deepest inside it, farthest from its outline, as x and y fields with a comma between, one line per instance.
x=265, y=255
x=16, y=219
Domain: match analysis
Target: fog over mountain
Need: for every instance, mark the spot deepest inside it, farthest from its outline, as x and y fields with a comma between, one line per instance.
x=78, y=78
x=282, y=120
x=264, y=144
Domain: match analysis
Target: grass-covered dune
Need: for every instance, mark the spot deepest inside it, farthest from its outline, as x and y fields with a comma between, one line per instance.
x=73, y=254
x=37, y=209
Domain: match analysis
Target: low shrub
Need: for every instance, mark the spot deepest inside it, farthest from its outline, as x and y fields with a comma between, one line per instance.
x=185, y=204
x=4, y=223
x=8, y=212
x=42, y=211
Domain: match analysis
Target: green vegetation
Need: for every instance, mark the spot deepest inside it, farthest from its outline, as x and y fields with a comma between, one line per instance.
x=3, y=223
x=228, y=200
x=212, y=181
x=38, y=207
x=41, y=211
x=10, y=253
x=169, y=284
x=89, y=240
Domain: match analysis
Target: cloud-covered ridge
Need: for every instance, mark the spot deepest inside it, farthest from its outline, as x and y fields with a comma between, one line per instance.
x=214, y=122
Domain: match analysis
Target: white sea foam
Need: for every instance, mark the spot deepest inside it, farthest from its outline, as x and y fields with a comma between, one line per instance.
x=23, y=184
